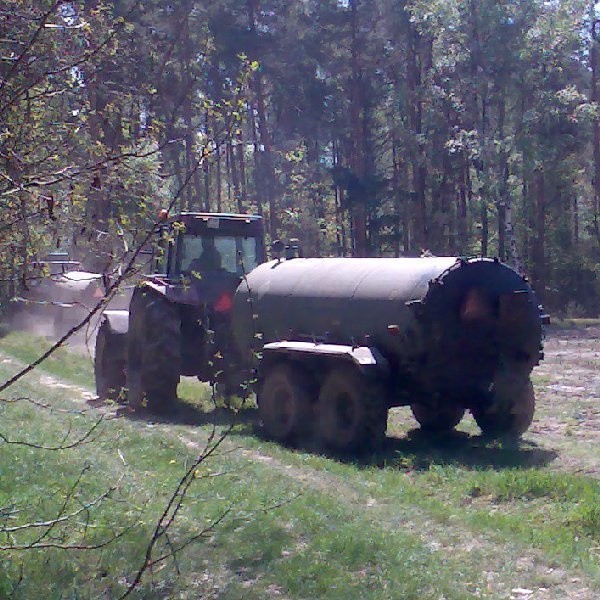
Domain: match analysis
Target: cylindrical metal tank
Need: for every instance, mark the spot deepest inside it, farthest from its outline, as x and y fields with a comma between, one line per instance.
x=443, y=323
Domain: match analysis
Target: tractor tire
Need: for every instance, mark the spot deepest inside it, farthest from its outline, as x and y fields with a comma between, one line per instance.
x=351, y=414
x=109, y=364
x=154, y=352
x=284, y=404
x=439, y=419
x=511, y=410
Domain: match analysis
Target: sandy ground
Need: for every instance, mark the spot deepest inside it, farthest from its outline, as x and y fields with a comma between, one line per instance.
x=567, y=385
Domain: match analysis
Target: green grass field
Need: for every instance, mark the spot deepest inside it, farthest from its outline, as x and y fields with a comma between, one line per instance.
x=451, y=518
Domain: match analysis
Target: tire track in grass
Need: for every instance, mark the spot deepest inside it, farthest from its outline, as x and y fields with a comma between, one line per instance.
x=507, y=570
x=499, y=561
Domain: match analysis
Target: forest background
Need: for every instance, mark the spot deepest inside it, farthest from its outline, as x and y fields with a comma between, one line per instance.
x=362, y=127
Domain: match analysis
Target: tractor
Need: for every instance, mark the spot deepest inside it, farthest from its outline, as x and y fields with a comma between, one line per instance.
x=178, y=321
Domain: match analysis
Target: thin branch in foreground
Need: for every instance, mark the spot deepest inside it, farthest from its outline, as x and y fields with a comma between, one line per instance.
x=167, y=518
x=46, y=406
x=61, y=517
x=62, y=446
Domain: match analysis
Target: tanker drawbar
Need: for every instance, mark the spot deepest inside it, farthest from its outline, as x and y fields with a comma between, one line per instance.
x=336, y=342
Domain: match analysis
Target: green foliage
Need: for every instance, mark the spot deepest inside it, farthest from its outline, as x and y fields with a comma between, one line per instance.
x=369, y=127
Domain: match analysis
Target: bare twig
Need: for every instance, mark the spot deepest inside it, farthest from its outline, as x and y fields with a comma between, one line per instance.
x=62, y=446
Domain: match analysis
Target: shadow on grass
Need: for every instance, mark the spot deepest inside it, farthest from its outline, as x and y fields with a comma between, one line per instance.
x=184, y=413
x=416, y=451
x=420, y=450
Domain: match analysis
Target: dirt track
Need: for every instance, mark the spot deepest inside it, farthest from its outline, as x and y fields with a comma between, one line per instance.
x=567, y=385
x=565, y=433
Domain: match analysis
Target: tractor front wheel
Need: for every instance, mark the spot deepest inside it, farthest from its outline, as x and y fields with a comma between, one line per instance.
x=154, y=352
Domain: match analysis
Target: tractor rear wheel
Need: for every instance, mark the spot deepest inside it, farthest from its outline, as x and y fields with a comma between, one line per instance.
x=437, y=419
x=109, y=364
x=284, y=405
x=511, y=409
x=154, y=352
x=351, y=413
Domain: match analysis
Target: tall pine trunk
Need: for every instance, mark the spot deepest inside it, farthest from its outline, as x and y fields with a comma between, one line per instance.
x=267, y=172
x=357, y=157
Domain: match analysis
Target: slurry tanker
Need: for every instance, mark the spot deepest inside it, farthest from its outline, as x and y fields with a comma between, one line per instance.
x=329, y=345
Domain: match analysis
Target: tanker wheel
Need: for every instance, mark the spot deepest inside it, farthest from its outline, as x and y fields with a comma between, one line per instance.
x=438, y=419
x=109, y=364
x=154, y=352
x=350, y=411
x=511, y=410
x=284, y=403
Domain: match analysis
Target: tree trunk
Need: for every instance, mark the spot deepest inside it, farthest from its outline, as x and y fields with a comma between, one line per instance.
x=206, y=167
x=419, y=170
x=267, y=172
x=237, y=194
x=503, y=195
x=396, y=196
x=242, y=174
x=257, y=165
x=539, y=263
x=186, y=199
x=357, y=157
x=218, y=176
x=594, y=97
x=461, y=213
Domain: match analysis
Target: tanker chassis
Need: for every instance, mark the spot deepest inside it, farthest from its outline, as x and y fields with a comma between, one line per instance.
x=328, y=344
x=336, y=342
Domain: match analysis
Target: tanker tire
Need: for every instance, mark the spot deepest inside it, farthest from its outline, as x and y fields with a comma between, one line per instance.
x=109, y=364
x=284, y=404
x=154, y=353
x=511, y=412
x=350, y=412
x=437, y=420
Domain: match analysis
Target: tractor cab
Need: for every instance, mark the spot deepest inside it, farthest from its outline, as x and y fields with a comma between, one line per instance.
x=202, y=257
x=203, y=244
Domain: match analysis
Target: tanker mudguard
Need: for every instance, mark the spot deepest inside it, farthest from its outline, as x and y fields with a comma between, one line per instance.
x=364, y=357
x=118, y=320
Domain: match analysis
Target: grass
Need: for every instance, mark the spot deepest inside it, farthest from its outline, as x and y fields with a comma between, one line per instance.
x=487, y=489
x=422, y=519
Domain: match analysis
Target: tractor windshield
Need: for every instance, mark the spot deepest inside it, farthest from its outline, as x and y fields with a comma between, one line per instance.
x=201, y=253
